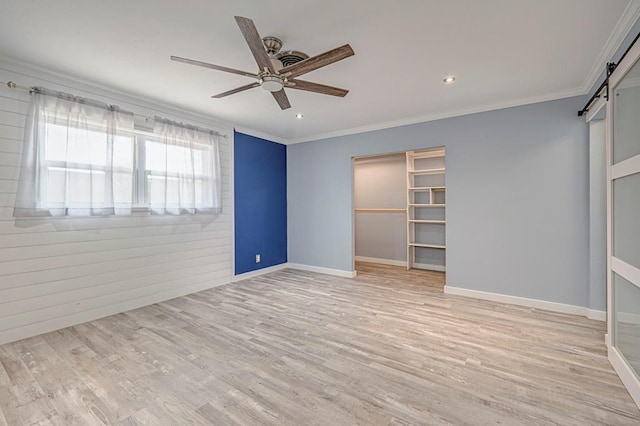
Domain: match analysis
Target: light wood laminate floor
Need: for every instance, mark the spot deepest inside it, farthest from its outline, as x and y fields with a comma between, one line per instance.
x=299, y=348
x=428, y=280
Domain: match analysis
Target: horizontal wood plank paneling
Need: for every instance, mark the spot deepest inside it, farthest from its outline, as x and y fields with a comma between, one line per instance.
x=12, y=119
x=58, y=262
x=8, y=172
x=57, y=272
x=13, y=105
x=27, y=226
x=10, y=145
x=11, y=132
x=9, y=158
x=61, y=236
x=142, y=273
x=17, y=314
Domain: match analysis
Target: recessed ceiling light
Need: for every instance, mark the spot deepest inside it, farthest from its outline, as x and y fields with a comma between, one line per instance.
x=299, y=116
x=450, y=79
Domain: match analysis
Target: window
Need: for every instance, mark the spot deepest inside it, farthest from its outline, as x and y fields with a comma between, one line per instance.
x=84, y=158
x=78, y=170
x=177, y=174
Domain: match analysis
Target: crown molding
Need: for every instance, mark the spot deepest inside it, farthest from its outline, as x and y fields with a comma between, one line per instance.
x=261, y=135
x=617, y=36
x=434, y=117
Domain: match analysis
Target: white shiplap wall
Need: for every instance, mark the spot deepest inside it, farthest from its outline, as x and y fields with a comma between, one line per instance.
x=58, y=272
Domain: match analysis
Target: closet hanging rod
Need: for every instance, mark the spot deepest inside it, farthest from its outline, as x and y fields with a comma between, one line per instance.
x=12, y=85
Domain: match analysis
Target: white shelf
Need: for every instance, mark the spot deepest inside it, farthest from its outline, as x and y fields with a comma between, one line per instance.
x=429, y=154
x=427, y=188
x=426, y=245
x=423, y=194
x=381, y=210
x=427, y=172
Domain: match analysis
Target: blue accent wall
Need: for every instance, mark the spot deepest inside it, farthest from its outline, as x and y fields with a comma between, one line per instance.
x=260, y=180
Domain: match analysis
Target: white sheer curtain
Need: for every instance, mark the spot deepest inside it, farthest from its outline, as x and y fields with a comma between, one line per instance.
x=77, y=158
x=182, y=166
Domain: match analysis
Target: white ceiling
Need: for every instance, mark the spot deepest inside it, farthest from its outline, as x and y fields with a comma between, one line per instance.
x=503, y=53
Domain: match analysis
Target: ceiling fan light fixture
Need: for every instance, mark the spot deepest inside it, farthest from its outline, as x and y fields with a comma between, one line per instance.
x=449, y=79
x=272, y=83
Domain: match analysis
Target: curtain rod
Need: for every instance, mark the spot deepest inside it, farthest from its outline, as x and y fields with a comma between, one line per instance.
x=611, y=66
x=31, y=89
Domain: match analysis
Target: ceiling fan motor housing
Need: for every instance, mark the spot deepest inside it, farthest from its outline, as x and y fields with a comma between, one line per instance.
x=272, y=44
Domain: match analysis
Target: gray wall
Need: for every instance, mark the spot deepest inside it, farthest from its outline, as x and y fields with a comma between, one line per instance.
x=597, y=217
x=381, y=182
x=517, y=198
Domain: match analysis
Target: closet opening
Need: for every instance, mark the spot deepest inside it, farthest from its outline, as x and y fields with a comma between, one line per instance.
x=399, y=216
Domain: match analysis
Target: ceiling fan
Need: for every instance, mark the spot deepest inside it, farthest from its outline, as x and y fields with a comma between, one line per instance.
x=278, y=70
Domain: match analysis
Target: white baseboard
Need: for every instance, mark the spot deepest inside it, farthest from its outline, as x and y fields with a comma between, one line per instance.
x=259, y=272
x=628, y=377
x=381, y=261
x=596, y=315
x=531, y=303
x=320, y=270
x=607, y=340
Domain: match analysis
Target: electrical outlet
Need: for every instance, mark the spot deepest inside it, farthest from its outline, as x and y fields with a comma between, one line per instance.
x=257, y=258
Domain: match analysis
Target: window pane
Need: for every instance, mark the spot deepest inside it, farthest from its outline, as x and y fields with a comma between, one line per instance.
x=74, y=187
x=626, y=225
x=123, y=152
x=626, y=127
x=178, y=191
x=627, y=321
x=169, y=158
x=176, y=159
x=73, y=145
x=75, y=164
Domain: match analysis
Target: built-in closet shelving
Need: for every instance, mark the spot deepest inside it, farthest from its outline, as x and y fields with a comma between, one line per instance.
x=426, y=209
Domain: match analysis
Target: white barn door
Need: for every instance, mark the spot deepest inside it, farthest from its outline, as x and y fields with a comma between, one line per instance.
x=623, y=221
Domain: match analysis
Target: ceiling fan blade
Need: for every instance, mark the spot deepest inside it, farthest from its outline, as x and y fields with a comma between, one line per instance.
x=255, y=43
x=281, y=99
x=317, y=61
x=317, y=88
x=212, y=66
x=236, y=90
